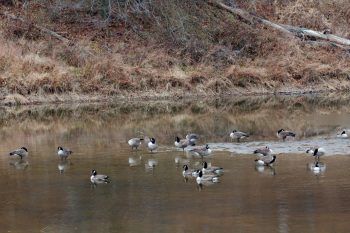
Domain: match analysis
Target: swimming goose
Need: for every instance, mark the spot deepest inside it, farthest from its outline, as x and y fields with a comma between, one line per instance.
x=342, y=135
x=98, y=178
x=152, y=145
x=206, y=179
x=214, y=170
x=192, y=138
x=135, y=142
x=63, y=153
x=265, y=160
x=201, y=151
x=283, y=134
x=21, y=152
x=238, y=135
x=263, y=151
x=317, y=153
x=186, y=171
x=181, y=143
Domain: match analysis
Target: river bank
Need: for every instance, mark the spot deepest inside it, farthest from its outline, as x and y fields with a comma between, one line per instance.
x=215, y=55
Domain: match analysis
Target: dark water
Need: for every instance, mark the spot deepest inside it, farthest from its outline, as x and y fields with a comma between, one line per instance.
x=44, y=194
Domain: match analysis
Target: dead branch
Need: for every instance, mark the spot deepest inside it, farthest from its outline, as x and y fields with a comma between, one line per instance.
x=287, y=29
x=42, y=29
x=45, y=30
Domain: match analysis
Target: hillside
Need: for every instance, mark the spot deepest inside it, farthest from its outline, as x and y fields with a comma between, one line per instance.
x=158, y=49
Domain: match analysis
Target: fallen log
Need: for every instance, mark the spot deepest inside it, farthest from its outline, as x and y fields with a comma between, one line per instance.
x=42, y=29
x=287, y=29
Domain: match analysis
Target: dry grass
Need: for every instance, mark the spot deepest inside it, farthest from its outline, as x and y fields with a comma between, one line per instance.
x=217, y=54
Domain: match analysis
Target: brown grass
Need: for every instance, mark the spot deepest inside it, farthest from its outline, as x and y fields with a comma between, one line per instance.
x=217, y=54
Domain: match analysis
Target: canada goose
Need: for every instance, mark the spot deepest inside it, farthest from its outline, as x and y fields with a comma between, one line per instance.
x=152, y=145
x=284, y=134
x=265, y=160
x=205, y=179
x=181, y=143
x=21, y=152
x=238, y=135
x=214, y=170
x=192, y=138
x=317, y=153
x=63, y=153
x=135, y=142
x=98, y=178
x=263, y=151
x=201, y=151
x=186, y=171
x=342, y=135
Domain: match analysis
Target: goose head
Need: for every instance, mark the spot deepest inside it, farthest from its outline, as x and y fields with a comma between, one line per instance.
x=185, y=167
x=280, y=131
x=93, y=172
x=205, y=165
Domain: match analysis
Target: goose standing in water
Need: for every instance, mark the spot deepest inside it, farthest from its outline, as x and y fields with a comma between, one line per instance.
x=342, y=135
x=317, y=153
x=63, y=153
x=152, y=145
x=238, y=135
x=181, y=143
x=135, y=142
x=21, y=152
x=201, y=151
x=283, y=134
x=265, y=160
x=263, y=151
x=98, y=178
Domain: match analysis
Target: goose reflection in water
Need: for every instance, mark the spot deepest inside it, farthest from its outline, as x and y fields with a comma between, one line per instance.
x=63, y=165
x=20, y=164
x=179, y=161
x=151, y=164
x=266, y=170
x=316, y=167
x=134, y=160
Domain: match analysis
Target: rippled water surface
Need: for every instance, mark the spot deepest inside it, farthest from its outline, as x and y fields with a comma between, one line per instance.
x=44, y=194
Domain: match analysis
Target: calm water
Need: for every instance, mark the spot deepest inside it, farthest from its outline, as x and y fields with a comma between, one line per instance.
x=44, y=194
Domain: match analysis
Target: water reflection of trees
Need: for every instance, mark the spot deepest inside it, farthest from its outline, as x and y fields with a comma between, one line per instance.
x=308, y=115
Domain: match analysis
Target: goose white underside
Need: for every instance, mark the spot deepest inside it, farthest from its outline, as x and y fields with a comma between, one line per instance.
x=152, y=146
x=207, y=180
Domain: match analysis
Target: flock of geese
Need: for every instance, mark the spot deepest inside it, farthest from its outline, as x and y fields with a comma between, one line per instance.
x=206, y=174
